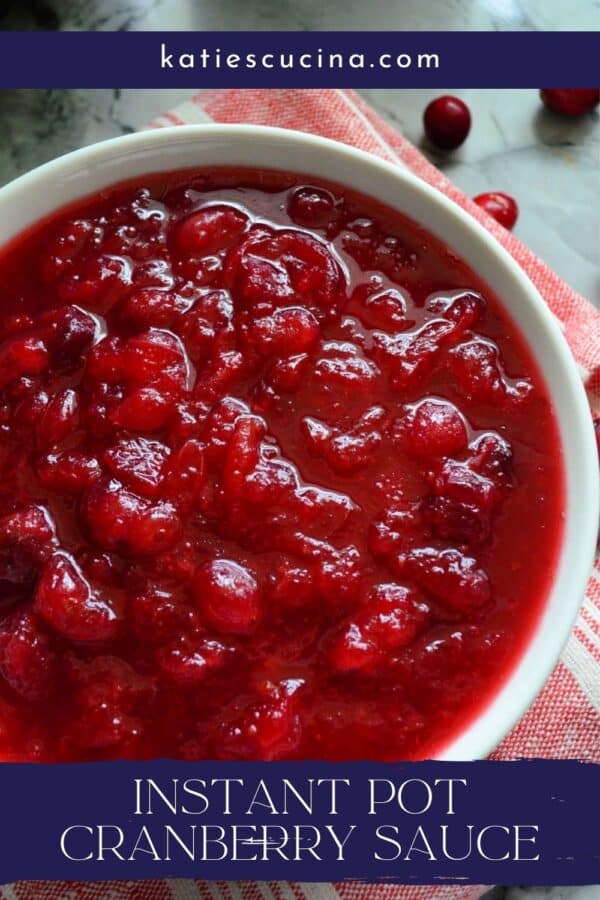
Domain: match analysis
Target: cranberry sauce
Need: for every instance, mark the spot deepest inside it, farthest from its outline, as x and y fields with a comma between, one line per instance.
x=278, y=478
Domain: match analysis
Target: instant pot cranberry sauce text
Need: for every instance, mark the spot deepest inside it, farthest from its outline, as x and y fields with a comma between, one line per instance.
x=279, y=479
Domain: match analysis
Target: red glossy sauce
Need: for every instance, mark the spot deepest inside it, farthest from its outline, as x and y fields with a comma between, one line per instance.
x=278, y=478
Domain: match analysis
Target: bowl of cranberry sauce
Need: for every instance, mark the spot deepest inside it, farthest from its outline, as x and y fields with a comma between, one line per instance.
x=282, y=475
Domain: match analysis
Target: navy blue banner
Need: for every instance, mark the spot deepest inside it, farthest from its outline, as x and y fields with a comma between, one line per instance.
x=298, y=59
x=527, y=822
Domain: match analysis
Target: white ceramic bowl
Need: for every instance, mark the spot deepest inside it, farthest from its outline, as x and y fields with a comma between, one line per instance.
x=86, y=171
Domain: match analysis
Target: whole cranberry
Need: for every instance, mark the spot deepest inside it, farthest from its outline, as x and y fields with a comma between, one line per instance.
x=571, y=102
x=311, y=207
x=436, y=429
x=447, y=122
x=228, y=596
x=210, y=230
x=501, y=207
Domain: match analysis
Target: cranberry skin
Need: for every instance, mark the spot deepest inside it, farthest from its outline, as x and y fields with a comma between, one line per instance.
x=67, y=602
x=501, y=207
x=27, y=537
x=210, y=230
x=454, y=580
x=70, y=332
x=98, y=283
x=276, y=268
x=158, y=616
x=110, y=696
x=152, y=307
x=154, y=358
x=479, y=371
x=145, y=409
x=457, y=481
x=338, y=576
x=389, y=531
x=31, y=523
x=60, y=418
x=188, y=661
x=70, y=472
x=184, y=475
x=463, y=308
x=437, y=429
x=492, y=457
x=447, y=122
x=390, y=620
x=385, y=308
x=242, y=455
x=349, y=450
x=138, y=463
x=118, y=519
x=571, y=102
x=288, y=331
x=268, y=728
x=27, y=661
x=310, y=207
x=228, y=596
x=292, y=586
x=21, y=356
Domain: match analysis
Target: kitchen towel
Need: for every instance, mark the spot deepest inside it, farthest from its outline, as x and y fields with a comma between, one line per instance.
x=564, y=722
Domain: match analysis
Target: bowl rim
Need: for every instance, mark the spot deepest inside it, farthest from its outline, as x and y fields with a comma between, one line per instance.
x=487, y=727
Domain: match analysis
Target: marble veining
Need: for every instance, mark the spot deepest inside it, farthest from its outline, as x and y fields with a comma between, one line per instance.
x=442, y=15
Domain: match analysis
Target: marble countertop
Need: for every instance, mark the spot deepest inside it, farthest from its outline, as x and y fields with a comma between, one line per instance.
x=551, y=166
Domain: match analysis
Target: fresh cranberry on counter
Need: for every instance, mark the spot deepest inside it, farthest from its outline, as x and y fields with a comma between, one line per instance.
x=500, y=207
x=447, y=122
x=571, y=102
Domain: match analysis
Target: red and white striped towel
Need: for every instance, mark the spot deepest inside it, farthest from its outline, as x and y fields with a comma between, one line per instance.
x=564, y=722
